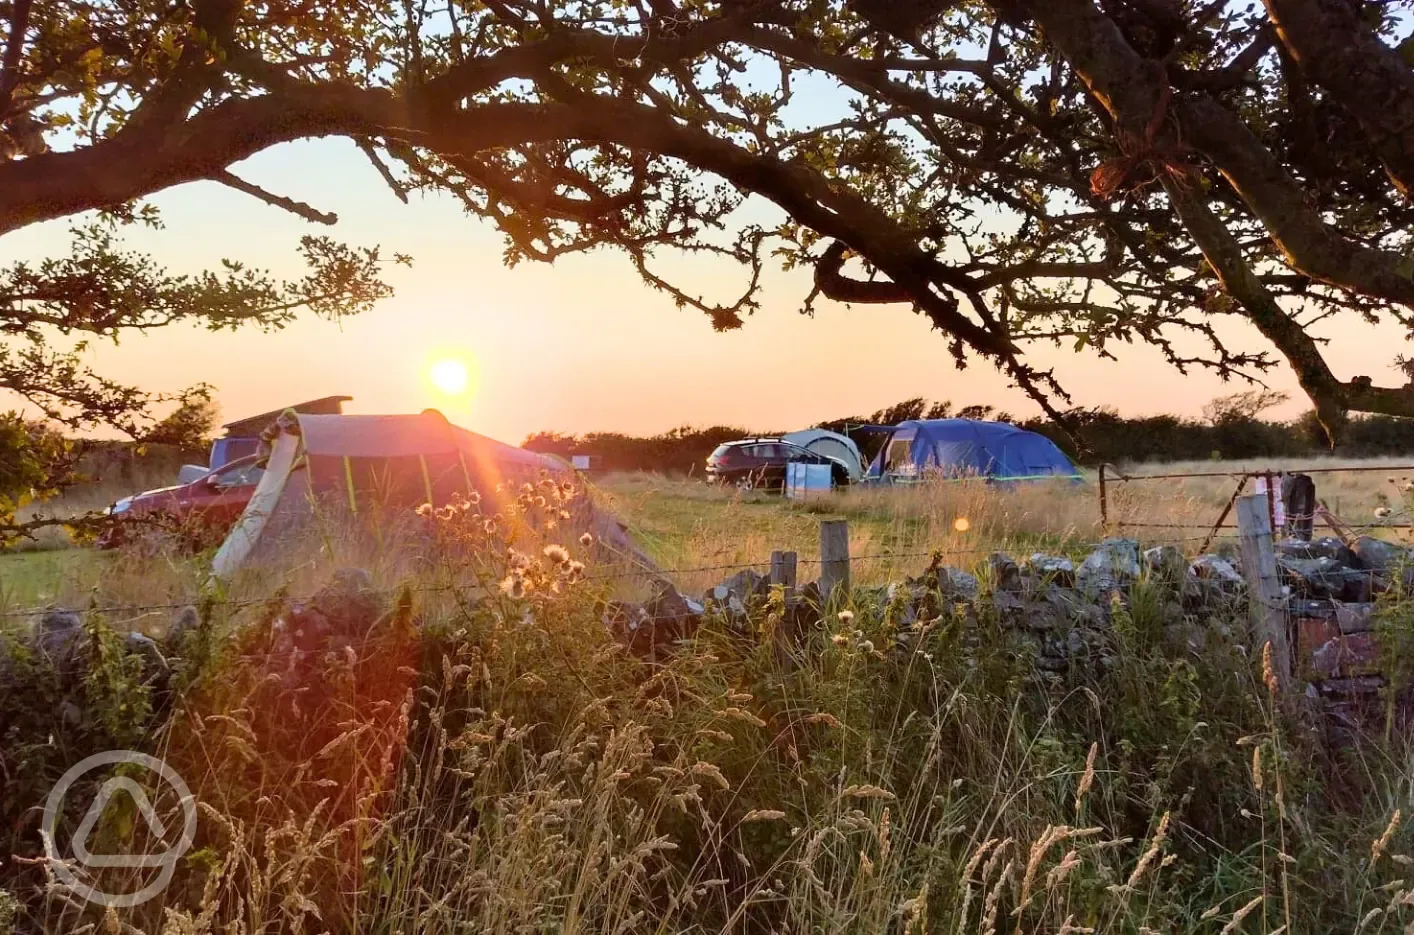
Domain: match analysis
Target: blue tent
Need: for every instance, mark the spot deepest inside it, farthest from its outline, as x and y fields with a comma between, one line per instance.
x=968, y=448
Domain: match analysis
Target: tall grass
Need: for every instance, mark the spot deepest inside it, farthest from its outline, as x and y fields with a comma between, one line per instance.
x=488, y=759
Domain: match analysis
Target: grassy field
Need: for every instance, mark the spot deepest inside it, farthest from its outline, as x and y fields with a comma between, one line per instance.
x=684, y=524
x=503, y=765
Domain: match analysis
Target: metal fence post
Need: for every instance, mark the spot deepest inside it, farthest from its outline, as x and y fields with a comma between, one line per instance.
x=1259, y=565
x=1104, y=503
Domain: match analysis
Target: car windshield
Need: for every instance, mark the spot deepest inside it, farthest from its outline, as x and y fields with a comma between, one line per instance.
x=238, y=475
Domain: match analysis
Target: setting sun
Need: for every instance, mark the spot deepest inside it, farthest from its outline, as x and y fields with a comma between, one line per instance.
x=450, y=376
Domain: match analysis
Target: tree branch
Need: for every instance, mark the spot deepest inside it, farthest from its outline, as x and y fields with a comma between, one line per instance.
x=299, y=208
x=14, y=46
x=1368, y=78
x=833, y=284
x=1133, y=92
x=398, y=188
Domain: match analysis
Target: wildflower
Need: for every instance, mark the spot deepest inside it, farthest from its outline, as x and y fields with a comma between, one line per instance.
x=490, y=527
x=565, y=515
x=540, y=502
x=424, y=510
x=517, y=560
x=839, y=639
x=846, y=617
x=473, y=498
x=1382, y=512
x=557, y=554
x=573, y=571
x=513, y=586
x=586, y=540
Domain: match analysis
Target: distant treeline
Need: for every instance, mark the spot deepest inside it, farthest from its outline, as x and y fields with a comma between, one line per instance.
x=1231, y=427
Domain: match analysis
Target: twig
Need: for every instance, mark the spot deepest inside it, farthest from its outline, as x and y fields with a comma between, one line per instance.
x=308, y=212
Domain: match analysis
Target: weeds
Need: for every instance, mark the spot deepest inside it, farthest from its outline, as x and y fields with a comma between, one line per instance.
x=487, y=758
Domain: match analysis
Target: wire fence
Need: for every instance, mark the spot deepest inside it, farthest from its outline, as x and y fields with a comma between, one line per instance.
x=641, y=573
x=653, y=574
x=1280, y=514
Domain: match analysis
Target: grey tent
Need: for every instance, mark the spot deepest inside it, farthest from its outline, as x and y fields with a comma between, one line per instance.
x=360, y=463
x=832, y=445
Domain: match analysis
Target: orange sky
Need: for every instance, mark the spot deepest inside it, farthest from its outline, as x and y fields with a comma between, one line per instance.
x=577, y=346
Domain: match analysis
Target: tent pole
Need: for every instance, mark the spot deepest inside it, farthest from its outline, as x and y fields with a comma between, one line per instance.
x=426, y=478
x=466, y=475
x=348, y=481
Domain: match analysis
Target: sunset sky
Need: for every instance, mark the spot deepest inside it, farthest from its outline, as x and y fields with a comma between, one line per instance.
x=578, y=346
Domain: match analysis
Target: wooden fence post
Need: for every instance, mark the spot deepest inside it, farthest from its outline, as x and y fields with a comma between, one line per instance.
x=834, y=557
x=1259, y=565
x=783, y=571
x=787, y=635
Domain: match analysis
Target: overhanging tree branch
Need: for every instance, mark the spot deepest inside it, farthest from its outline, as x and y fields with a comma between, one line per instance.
x=299, y=208
x=1370, y=80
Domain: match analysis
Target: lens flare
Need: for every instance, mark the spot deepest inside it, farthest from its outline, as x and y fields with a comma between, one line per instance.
x=962, y=524
x=450, y=376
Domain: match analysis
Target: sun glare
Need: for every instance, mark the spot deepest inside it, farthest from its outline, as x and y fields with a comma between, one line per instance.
x=450, y=376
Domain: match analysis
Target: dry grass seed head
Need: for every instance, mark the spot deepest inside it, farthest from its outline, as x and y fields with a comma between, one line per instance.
x=1160, y=833
x=1382, y=843
x=1237, y=917
x=1087, y=778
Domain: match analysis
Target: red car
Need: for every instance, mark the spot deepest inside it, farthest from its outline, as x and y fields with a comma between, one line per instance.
x=207, y=507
